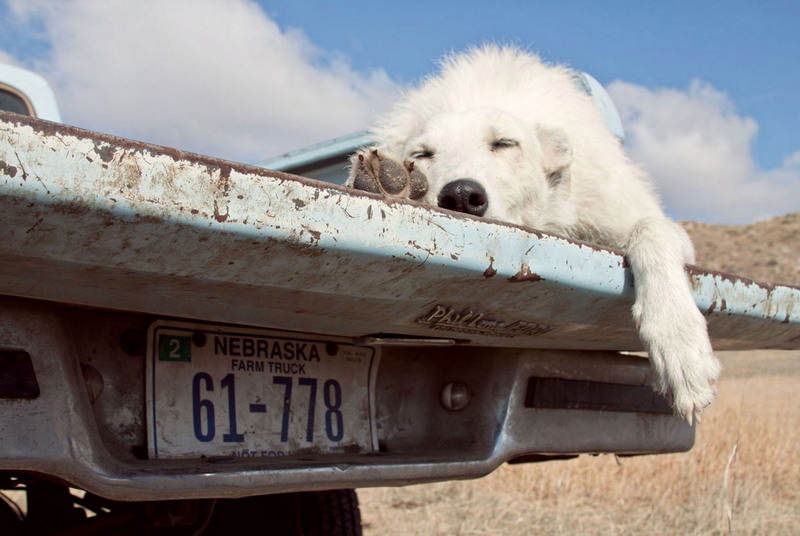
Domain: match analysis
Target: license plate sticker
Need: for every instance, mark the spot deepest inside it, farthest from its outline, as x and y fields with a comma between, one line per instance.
x=223, y=391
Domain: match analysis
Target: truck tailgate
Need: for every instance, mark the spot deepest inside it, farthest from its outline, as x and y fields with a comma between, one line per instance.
x=92, y=219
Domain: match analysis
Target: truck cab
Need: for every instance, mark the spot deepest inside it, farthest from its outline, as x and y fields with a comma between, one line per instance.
x=27, y=93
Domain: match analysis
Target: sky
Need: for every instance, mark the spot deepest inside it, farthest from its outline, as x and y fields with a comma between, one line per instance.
x=707, y=90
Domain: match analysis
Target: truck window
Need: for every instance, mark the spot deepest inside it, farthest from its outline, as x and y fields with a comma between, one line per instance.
x=13, y=101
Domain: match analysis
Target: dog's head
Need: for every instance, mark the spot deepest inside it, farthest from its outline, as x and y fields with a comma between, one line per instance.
x=486, y=162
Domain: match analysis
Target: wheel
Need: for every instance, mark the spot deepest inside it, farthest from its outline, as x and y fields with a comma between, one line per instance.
x=53, y=508
x=313, y=513
x=10, y=520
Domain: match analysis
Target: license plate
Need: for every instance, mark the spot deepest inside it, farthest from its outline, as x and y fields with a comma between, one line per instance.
x=223, y=391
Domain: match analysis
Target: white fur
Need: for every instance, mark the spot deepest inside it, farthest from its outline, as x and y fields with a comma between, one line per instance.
x=564, y=173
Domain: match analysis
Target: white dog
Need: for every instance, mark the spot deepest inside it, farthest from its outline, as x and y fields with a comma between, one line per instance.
x=498, y=133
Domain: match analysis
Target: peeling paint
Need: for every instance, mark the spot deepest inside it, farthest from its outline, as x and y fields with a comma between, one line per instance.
x=8, y=170
x=105, y=151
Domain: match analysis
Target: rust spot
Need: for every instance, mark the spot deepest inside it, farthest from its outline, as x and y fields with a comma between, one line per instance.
x=222, y=218
x=490, y=271
x=352, y=449
x=525, y=274
x=298, y=203
x=225, y=178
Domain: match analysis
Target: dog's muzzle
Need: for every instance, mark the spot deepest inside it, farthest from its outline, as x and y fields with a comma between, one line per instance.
x=464, y=195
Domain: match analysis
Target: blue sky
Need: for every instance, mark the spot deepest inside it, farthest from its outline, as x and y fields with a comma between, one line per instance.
x=748, y=49
x=708, y=91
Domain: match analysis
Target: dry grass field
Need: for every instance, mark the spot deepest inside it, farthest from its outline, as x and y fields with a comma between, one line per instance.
x=742, y=477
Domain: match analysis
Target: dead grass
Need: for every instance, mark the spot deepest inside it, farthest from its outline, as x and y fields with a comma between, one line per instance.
x=742, y=477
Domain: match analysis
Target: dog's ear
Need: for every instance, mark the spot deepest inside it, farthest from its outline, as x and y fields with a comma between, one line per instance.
x=556, y=155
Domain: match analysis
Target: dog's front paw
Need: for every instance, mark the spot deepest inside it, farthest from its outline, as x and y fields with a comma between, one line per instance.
x=375, y=173
x=683, y=361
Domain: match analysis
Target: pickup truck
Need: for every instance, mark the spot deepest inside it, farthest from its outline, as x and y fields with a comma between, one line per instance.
x=196, y=346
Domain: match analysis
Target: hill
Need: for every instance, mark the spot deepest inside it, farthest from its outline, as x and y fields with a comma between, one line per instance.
x=767, y=250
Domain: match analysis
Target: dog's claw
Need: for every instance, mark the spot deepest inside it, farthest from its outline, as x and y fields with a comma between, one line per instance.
x=377, y=174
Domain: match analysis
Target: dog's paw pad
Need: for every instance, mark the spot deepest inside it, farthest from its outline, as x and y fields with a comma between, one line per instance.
x=377, y=174
x=392, y=176
x=417, y=182
x=365, y=173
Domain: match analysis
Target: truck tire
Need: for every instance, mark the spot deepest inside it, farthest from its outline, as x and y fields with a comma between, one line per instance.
x=10, y=523
x=52, y=508
x=313, y=513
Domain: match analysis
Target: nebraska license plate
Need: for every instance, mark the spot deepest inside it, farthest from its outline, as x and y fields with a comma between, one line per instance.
x=224, y=391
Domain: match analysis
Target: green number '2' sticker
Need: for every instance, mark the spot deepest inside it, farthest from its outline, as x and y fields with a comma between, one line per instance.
x=174, y=348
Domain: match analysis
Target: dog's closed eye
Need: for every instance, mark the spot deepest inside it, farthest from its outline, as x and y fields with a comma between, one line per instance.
x=503, y=143
x=422, y=154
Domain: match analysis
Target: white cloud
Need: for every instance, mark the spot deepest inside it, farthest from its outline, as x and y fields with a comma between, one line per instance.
x=214, y=76
x=699, y=150
x=8, y=59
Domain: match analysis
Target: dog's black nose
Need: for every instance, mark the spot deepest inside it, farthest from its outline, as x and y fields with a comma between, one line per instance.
x=464, y=195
